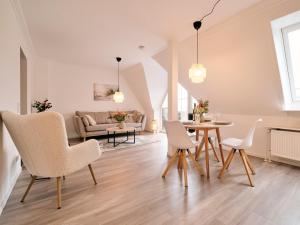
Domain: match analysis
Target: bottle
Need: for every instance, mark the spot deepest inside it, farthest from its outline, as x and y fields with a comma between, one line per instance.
x=194, y=111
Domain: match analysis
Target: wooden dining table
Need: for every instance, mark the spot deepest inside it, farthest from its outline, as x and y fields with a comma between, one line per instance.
x=206, y=127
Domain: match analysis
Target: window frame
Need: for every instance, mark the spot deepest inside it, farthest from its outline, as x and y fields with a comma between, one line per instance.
x=285, y=32
x=280, y=28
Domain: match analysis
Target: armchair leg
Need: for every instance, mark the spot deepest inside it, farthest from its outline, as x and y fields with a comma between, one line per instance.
x=28, y=188
x=58, y=190
x=92, y=173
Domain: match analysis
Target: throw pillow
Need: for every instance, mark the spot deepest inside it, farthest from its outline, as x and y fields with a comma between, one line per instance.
x=85, y=121
x=92, y=122
x=137, y=117
x=130, y=118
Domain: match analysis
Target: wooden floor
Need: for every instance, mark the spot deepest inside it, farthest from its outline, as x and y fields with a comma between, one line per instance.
x=130, y=190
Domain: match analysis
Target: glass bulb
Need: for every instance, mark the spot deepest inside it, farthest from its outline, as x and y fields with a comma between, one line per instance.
x=118, y=97
x=197, y=73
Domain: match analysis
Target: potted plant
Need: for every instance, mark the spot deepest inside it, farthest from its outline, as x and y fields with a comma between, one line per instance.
x=42, y=106
x=120, y=118
x=200, y=110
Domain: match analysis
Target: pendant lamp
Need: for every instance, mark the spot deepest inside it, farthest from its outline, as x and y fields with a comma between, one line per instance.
x=197, y=72
x=118, y=95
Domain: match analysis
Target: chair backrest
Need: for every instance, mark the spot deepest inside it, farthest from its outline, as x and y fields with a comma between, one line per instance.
x=247, y=141
x=177, y=136
x=41, y=140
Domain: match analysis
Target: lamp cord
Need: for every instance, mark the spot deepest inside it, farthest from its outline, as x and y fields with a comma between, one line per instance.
x=197, y=45
x=211, y=11
x=118, y=77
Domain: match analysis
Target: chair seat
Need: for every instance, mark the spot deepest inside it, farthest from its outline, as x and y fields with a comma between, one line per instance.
x=233, y=143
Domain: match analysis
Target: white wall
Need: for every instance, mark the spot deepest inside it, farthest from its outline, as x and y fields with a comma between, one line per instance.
x=70, y=88
x=11, y=39
x=243, y=81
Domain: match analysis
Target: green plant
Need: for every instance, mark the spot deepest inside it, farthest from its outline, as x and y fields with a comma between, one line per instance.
x=202, y=107
x=120, y=116
x=42, y=106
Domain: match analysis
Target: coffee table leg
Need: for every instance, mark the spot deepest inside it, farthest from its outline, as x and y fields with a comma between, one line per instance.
x=114, y=139
x=134, y=136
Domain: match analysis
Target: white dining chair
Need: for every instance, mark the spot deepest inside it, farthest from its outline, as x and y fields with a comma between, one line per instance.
x=41, y=140
x=179, y=139
x=240, y=145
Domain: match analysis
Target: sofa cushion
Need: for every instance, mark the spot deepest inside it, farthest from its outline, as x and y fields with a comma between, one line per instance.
x=129, y=118
x=83, y=113
x=133, y=125
x=102, y=117
x=100, y=127
x=91, y=120
x=85, y=121
x=138, y=117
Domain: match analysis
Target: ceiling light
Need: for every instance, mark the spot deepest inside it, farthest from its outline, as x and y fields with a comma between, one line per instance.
x=118, y=95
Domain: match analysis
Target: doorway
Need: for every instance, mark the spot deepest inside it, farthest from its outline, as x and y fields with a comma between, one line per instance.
x=23, y=83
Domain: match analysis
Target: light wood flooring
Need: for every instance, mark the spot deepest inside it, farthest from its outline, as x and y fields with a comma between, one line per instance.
x=130, y=190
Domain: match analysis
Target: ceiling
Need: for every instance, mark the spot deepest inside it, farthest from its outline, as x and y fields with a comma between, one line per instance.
x=93, y=32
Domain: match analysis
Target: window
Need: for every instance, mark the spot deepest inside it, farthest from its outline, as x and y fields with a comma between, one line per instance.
x=184, y=103
x=286, y=34
x=291, y=38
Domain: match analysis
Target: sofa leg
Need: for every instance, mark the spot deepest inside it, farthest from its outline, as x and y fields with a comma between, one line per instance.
x=84, y=139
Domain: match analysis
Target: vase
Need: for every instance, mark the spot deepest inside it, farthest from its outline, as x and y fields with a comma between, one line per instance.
x=199, y=118
x=122, y=125
x=202, y=119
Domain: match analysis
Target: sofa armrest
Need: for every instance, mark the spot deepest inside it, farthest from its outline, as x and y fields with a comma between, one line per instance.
x=144, y=120
x=79, y=126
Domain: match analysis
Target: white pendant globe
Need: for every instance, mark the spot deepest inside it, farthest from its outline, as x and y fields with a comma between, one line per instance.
x=118, y=97
x=197, y=73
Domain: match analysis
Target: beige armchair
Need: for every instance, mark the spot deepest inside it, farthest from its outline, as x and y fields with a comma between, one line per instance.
x=42, y=142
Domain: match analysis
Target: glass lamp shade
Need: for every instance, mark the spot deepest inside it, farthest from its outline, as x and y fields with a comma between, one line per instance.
x=197, y=73
x=118, y=97
x=154, y=125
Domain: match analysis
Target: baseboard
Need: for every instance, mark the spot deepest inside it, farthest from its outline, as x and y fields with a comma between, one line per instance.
x=6, y=195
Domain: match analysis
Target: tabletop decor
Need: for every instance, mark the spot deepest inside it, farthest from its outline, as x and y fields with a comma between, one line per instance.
x=42, y=106
x=200, y=110
x=120, y=118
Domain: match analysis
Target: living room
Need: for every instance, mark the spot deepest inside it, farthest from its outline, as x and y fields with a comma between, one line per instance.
x=135, y=87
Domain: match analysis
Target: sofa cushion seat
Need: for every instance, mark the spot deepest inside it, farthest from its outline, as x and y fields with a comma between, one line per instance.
x=100, y=127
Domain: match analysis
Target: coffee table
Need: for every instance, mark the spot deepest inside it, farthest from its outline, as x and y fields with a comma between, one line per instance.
x=116, y=130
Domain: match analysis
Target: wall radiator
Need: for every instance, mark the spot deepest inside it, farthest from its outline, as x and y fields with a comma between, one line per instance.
x=285, y=144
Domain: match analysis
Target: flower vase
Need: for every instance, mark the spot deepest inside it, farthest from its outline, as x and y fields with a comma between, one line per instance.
x=121, y=125
x=202, y=119
x=199, y=118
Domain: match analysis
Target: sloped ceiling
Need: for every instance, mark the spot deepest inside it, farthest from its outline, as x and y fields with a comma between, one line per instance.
x=93, y=32
x=239, y=54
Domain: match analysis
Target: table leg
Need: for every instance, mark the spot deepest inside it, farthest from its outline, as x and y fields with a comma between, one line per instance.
x=114, y=139
x=127, y=136
x=197, y=147
x=134, y=136
x=206, y=152
x=220, y=145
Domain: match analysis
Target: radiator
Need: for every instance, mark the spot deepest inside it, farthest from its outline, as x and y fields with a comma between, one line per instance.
x=285, y=144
